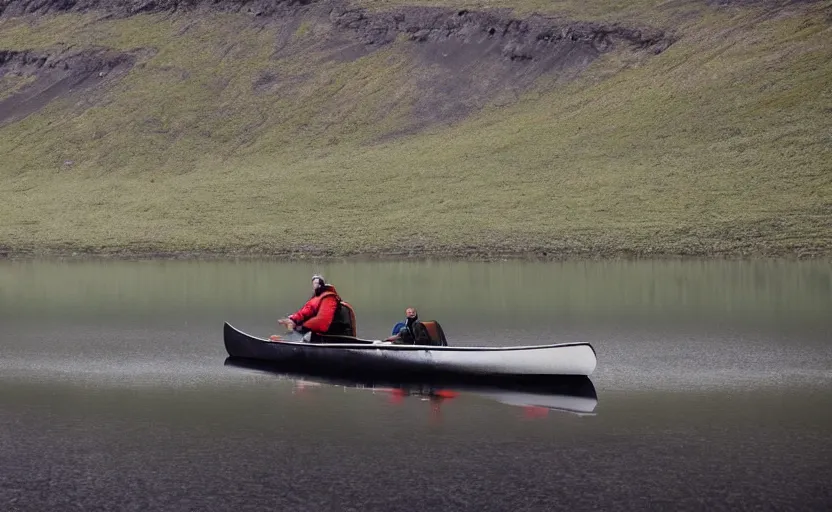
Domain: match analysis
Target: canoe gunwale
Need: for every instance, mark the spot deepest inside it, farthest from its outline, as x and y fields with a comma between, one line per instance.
x=365, y=344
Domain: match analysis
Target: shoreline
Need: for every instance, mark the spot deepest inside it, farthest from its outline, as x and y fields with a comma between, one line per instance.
x=445, y=255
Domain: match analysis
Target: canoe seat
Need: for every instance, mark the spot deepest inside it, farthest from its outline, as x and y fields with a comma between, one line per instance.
x=429, y=332
x=353, y=327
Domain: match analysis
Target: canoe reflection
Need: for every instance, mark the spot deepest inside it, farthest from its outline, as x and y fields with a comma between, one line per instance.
x=536, y=394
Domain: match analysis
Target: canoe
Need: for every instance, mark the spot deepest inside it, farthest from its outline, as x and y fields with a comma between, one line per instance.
x=346, y=352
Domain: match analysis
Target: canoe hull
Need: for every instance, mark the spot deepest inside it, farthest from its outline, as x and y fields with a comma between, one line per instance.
x=559, y=359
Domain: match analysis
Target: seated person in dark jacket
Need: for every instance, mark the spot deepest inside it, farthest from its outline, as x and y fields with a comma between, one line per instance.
x=410, y=331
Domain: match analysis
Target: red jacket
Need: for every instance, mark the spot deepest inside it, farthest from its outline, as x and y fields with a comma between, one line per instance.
x=318, y=312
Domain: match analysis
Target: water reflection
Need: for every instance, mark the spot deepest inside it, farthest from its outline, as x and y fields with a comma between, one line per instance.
x=489, y=297
x=536, y=394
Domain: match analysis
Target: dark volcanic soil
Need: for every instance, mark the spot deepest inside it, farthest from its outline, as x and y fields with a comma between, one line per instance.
x=466, y=58
x=56, y=74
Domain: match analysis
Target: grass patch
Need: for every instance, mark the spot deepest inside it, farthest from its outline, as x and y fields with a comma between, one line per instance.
x=10, y=84
x=643, y=11
x=217, y=141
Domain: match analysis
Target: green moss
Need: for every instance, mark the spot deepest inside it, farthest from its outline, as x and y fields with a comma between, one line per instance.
x=303, y=30
x=11, y=84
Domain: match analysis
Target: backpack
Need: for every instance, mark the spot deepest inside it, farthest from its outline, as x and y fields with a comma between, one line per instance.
x=424, y=333
x=343, y=324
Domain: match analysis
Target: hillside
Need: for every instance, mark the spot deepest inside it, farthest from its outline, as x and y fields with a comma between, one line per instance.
x=416, y=128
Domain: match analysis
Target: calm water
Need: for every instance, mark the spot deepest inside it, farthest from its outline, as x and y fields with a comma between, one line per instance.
x=714, y=390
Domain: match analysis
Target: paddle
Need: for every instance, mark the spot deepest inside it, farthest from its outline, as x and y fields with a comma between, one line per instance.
x=292, y=336
x=290, y=332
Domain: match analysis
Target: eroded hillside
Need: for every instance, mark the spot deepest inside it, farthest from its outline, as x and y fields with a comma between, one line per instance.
x=457, y=60
x=439, y=128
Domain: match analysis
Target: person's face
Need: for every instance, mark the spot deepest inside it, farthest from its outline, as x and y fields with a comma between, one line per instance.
x=410, y=313
x=316, y=285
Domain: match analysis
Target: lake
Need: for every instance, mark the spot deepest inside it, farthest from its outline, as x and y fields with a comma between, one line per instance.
x=713, y=384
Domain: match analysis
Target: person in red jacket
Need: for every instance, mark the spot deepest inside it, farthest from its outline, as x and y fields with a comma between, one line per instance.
x=317, y=314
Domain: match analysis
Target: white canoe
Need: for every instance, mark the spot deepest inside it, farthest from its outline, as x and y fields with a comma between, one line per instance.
x=344, y=351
